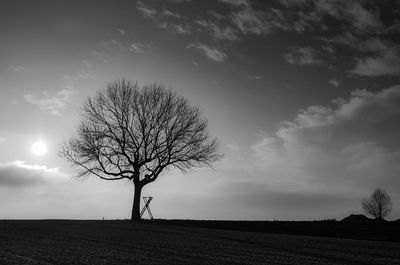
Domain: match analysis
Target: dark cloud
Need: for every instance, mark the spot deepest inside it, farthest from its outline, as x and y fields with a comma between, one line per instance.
x=18, y=174
x=353, y=145
x=385, y=63
x=347, y=29
x=323, y=161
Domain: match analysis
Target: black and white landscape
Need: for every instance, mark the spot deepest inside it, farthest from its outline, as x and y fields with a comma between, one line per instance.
x=254, y=132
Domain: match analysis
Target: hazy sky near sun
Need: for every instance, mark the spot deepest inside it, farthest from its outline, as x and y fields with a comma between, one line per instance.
x=304, y=97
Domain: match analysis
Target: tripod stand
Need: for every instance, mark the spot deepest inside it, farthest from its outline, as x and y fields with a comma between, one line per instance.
x=146, y=206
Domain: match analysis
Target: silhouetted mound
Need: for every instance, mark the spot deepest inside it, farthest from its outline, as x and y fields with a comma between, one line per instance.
x=356, y=218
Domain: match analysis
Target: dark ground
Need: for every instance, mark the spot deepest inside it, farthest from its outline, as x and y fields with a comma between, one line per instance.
x=193, y=242
x=367, y=230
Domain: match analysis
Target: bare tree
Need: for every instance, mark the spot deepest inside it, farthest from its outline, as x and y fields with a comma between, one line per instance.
x=136, y=134
x=378, y=205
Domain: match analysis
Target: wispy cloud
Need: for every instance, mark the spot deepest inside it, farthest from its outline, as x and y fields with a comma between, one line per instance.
x=302, y=56
x=121, y=31
x=177, y=28
x=254, y=77
x=137, y=47
x=261, y=21
x=20, y=68
x=334, y=82
x=169, y=13
x=249, y=20
x=101, y=56
x=181, y=29
x=87, y=74
x=211, y=53
x=127, y=46
x=2, y=139
x=146, y=10
x=53, y=103
x=301, y=15
x=218, y=32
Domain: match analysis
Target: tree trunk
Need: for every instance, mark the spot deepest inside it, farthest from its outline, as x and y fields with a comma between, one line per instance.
x=135, y=217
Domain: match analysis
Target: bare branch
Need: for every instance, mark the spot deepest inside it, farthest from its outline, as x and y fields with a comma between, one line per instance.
x=378, y=205
x=133, y=133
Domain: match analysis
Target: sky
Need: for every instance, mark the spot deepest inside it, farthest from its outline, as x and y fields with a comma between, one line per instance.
x=303, y=97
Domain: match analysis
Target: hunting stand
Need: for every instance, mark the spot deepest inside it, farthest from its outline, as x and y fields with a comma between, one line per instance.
x=146, y=206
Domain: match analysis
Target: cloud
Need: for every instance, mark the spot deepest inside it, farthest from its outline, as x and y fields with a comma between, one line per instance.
x=216, y=15
x=218, y=32
x=249, y=20
x=254, y=77
x=121, y=31
x=245, y=3
x=356, y=15
x=262, y=20
x=394, y=28
x=374, y=56
x=138, y=47
x=387, y=63
x=334, y=82
x=127, y=46
x=19, y=174
x=252, y=21
x=211, y=53
x=250, y=17
x=52, y=102
x=368, y=45
x=20, y=68
x=302, y=56
x=327, y=157
x=169, y=13
x=87, y=74
x=346, y=39
x=2, y=139
x=288, y=3
x=147, y=11
x=352, y=145
x=181, y=29
x=102, y=56
x=363, y=18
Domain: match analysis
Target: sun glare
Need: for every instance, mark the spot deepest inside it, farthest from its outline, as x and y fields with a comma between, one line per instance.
x=39, y=148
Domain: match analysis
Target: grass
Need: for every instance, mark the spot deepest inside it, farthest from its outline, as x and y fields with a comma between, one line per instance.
x=177, y=242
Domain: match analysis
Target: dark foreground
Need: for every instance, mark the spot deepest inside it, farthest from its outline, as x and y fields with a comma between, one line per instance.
x=121, y=242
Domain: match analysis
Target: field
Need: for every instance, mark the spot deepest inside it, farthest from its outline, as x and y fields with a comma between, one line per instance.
x=177, y=242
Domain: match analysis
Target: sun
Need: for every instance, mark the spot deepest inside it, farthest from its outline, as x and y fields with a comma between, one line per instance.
x=39, y=148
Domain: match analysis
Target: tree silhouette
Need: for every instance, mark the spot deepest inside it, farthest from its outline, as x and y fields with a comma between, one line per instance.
x=136, y=134
x=378, y=205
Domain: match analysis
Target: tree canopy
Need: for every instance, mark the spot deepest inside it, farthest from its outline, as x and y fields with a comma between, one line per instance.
x=135, y=134
x=378, y=205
